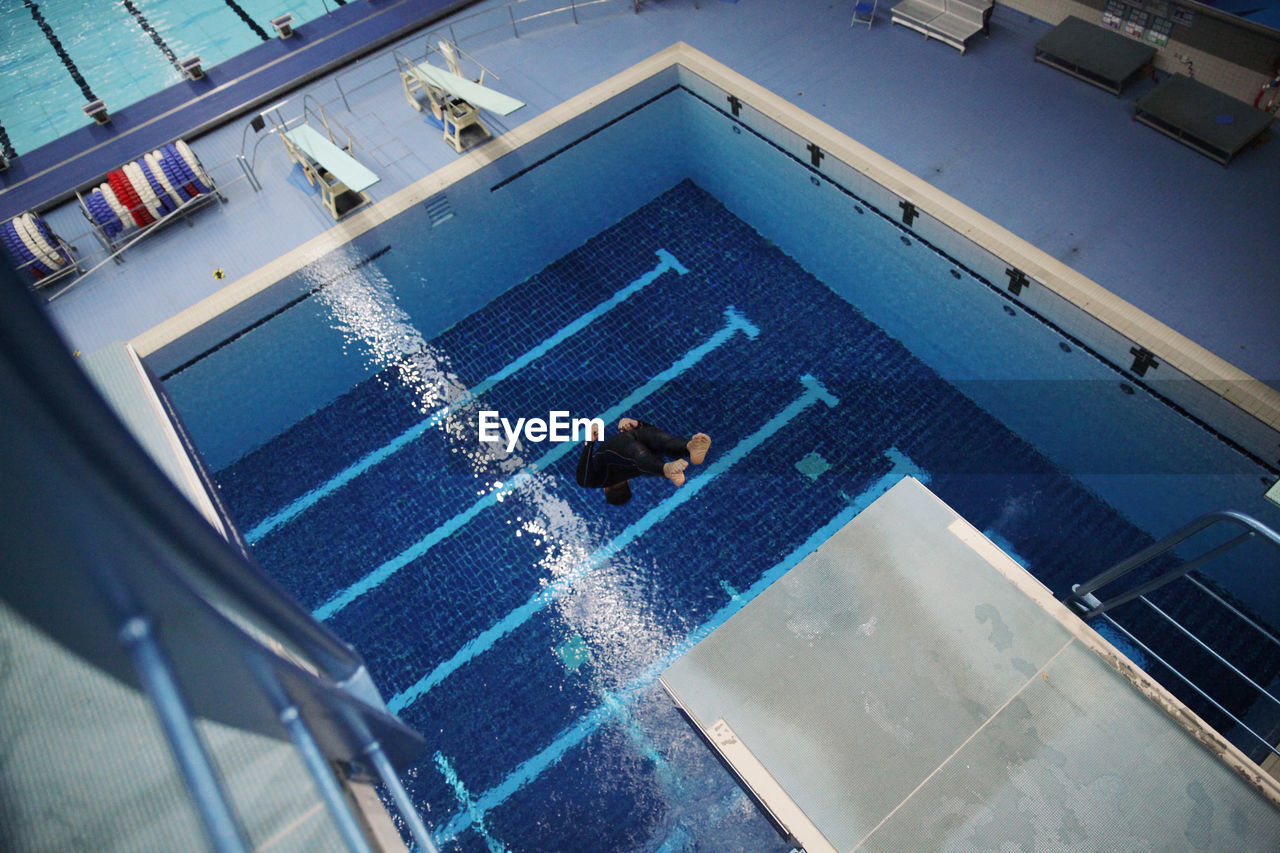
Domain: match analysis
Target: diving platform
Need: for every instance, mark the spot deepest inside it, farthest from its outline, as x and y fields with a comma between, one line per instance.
x=909, y=686
x=480, y=96
x=454, y=100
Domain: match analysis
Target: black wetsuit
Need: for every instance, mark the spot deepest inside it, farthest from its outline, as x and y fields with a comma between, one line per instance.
x=637, y=452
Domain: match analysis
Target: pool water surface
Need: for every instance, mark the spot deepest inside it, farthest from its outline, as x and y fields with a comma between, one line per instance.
x=518, y=621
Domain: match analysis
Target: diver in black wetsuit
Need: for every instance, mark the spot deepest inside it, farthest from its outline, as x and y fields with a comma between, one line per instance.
x=639, y=449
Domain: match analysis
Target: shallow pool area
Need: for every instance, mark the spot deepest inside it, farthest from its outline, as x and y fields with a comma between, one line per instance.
x=120, y=53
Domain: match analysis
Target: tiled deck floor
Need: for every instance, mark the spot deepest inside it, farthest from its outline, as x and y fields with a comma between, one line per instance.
x=1056, y=161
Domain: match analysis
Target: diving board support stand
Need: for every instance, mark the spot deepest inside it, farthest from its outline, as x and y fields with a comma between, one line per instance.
x=454, y=99
x=342, y=178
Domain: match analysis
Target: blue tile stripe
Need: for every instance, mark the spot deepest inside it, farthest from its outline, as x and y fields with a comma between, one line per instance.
x=666, y=261
x=533, y=767
x=643, y=744
x=734, y=323
x=468, y=804
x=814, y=392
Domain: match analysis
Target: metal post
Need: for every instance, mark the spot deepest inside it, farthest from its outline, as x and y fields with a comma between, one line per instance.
x=157, y=679
x=292, y=720
x=573, y=7
x=512, y=16
x=248, y=173
x=403, y=804
x=338, y=82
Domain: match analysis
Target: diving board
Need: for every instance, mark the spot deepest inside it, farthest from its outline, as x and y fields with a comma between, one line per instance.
x=483, y=97
x=342, y=178
x=908, y=686
x=455, y=100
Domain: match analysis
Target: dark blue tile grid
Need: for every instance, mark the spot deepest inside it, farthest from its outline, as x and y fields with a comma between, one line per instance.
x=565, y=755
x=330, y=439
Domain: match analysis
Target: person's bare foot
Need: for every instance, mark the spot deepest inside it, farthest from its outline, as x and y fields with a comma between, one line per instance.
x=698, y=446
x=674, y=471
x=627, y=424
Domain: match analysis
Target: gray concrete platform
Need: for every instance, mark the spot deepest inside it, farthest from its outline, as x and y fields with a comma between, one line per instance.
x=908, y=686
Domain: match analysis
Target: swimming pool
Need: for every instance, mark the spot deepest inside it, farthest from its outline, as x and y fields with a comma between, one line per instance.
x=123, y=52
x=503, y=611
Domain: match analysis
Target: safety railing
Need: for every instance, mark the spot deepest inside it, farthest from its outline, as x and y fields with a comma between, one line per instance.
x=133, y=579
x=1085, y=601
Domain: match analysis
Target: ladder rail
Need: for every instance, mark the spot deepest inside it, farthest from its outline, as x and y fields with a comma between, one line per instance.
x=1148, y=650
x=1088, y=605
x=1082, y=597
x=1206, y=647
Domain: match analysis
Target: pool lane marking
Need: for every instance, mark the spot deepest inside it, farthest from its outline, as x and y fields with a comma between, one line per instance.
x=668, y=778
x=814, y=392
x=530, y=769
x=734, y=323
x=468, y=804
x=666, y=261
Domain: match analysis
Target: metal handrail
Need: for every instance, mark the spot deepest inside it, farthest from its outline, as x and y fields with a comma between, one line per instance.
x=1083, y=593
x=1090, y=606
x=142, y=587
x=312, y=108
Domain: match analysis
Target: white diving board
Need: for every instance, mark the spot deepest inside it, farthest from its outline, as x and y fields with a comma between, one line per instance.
x=473, y=93
x=348, y=170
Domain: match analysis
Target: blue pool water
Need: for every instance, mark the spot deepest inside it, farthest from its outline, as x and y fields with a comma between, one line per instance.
x=120, y=61
x=520, y=623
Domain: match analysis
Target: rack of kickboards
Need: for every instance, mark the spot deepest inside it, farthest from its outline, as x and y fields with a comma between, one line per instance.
x=134, y=200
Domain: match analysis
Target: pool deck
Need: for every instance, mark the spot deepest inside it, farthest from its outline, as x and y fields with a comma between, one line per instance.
x=1059, y=163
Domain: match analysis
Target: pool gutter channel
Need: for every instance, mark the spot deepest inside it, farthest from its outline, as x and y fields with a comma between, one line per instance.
x=1239, y=409
x=1018, y=280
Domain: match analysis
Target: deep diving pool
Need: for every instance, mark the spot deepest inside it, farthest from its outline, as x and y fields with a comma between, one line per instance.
x=676, y=246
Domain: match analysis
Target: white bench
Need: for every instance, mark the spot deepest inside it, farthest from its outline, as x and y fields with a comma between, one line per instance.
x=951, y=21
x=342, y=178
